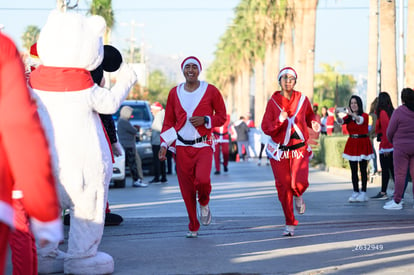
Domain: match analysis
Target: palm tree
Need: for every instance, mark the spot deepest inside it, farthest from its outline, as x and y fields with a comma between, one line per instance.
x=104, y=9
x=388, y=50
x=308, y=46
x=30, y=36
x=372, y=89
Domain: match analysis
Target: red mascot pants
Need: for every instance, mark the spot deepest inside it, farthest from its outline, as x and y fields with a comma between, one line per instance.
x=193, y=173
x=291, y=179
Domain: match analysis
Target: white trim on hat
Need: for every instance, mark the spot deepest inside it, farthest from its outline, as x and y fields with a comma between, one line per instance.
x=193, y=61
x=287, y=71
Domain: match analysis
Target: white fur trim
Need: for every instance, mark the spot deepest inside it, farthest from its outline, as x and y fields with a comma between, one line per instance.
x=169, y=136
x=361, y=120
x=17, y=194
x=357, y=158
x=193, y=61
x=287, y=71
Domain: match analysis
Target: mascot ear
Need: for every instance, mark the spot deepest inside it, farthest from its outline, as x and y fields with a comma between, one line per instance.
x=97, y=24
x=112, y=59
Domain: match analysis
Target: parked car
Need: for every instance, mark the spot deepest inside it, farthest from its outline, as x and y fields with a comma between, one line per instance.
x=142, y=119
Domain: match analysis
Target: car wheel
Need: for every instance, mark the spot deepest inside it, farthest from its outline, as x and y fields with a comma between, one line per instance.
x=119, y=184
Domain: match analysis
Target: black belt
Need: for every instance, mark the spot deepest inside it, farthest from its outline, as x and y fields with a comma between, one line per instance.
x=192, y=142
x=358, y=136
x=220, y=134
x=293, y=147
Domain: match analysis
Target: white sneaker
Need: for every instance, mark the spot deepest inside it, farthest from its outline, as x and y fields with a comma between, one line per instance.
x=192, y=234
x=391, y=201
x=289, y=230
x=139, y=183
x=393, y=206
x=205, y=215
x=362, y=197
x=353, y=197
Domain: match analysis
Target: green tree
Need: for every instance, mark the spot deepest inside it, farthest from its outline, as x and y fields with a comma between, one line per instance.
x=331, y=88
x=158, y=87
x=30, y=36
x=104, y=9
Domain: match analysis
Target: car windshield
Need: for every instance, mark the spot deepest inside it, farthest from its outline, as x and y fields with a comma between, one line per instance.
x=139, y=113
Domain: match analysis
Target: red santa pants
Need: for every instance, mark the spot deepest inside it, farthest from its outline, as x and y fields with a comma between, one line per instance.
x=221, y=147
x=4, y=238
x=22, y=243
x=193, y=173
x=291, y=179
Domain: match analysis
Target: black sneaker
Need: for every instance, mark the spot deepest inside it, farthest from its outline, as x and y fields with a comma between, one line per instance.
x=380, y=196
x=226, y=169
x=164, y=180
x=154, y=180
x=217, y=173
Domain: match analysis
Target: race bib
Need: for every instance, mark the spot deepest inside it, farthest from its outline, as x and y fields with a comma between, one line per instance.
x=272, y=150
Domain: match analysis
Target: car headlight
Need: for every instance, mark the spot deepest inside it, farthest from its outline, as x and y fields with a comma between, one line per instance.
x=145, y=134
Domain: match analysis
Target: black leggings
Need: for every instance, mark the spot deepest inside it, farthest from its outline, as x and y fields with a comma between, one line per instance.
x=387, y=167
x=262, y=146
x=363, y=169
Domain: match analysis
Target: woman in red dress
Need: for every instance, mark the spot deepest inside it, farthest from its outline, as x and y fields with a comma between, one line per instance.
x=358, y=148
x=286, y=120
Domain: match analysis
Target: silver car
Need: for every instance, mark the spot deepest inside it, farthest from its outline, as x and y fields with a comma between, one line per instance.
x=141, y=118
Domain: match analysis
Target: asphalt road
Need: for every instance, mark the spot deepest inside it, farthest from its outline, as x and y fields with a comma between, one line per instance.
x=333, y=236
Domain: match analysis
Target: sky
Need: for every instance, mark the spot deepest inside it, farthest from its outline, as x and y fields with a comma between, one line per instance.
x=193, y=27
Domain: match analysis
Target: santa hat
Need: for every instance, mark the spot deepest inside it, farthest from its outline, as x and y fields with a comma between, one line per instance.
x=192, y=60
x=111, y=62
x=156, y=106
x=287, y=70
x=331, y=111
x=34, y=57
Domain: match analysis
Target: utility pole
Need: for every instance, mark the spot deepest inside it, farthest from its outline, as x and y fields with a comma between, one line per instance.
x=132, y=40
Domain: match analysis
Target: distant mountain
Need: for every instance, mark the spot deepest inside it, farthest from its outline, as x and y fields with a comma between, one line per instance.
x=170, y=66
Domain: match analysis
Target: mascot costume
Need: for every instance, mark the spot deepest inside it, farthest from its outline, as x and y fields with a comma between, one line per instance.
x=69, y=103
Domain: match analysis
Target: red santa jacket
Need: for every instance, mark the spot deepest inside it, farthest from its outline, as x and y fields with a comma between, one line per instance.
x=276, y=129
x=381, y=126
x=25, y=162
x=211, y=105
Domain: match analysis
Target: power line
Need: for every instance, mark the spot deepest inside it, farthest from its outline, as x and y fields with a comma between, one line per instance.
x=156, y=9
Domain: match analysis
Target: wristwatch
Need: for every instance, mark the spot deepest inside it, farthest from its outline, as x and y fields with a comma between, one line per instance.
x=206, y=119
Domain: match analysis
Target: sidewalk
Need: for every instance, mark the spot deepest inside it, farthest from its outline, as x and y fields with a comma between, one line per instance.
x=333, y=236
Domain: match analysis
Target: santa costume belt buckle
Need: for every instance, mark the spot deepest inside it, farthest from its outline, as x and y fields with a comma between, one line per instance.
x=192, y=142
x=358, y=136
x=293, y=147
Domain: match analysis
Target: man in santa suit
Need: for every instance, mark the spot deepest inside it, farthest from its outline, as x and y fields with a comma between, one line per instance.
x=193, y=109
x=25, y=163
x=222, y=139
x=286, y=120
x=330, y=121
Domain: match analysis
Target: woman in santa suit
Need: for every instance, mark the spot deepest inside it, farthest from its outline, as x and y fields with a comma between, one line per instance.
x=286, y=120
x=358, y=148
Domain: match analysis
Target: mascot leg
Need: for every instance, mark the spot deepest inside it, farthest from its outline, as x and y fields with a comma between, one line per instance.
x=85, y=233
